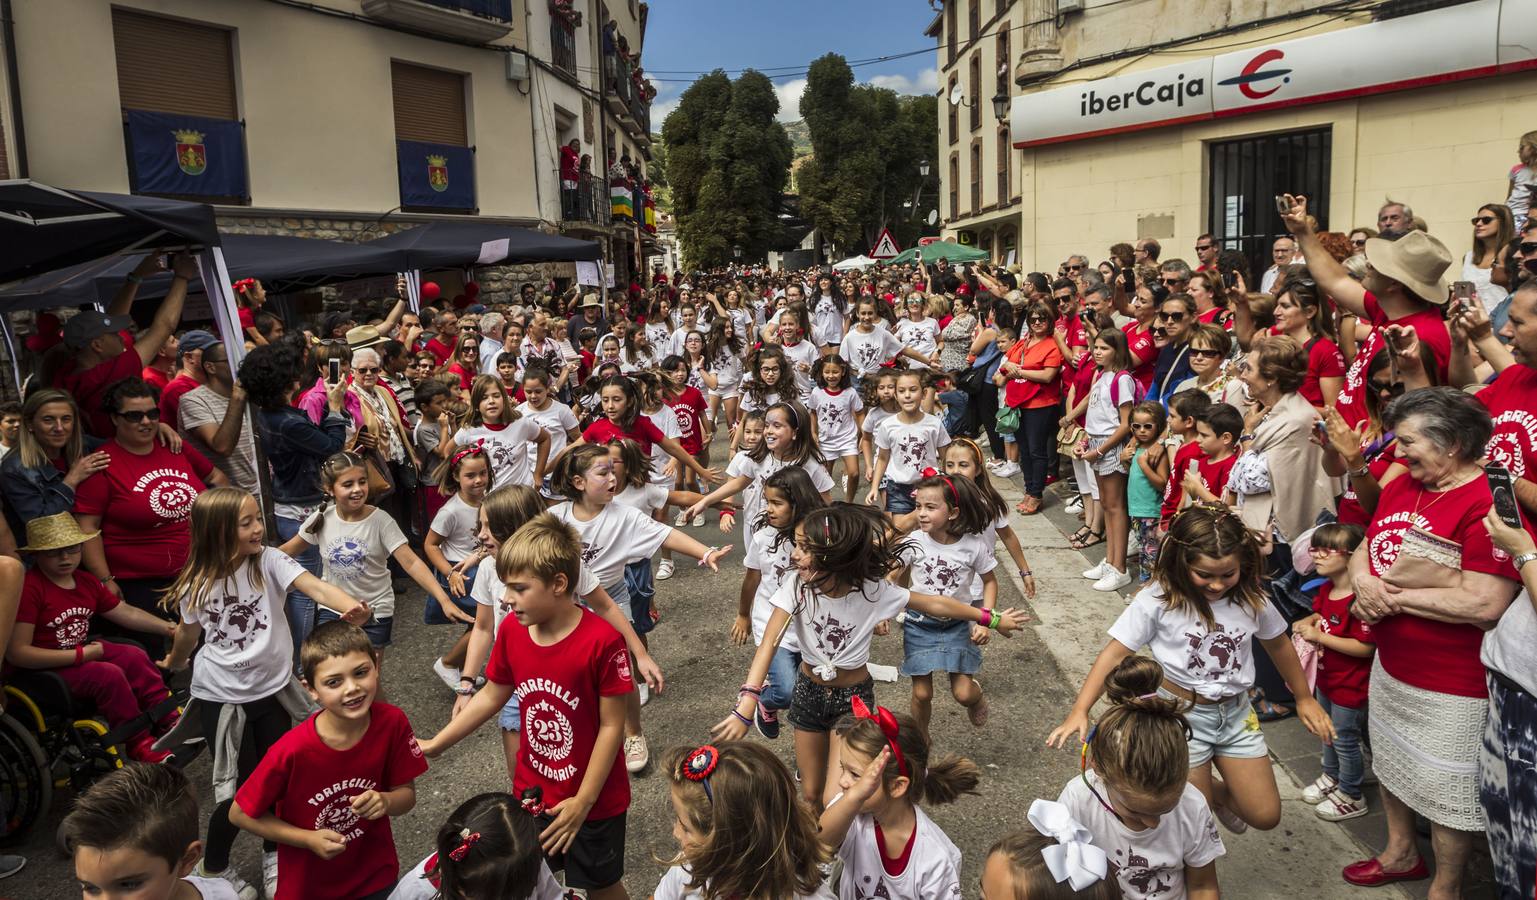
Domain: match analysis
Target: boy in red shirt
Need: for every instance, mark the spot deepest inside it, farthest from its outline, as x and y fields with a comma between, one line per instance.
x=326, y=790
x=1344, y=667
x=571, y=671
x=1185, y=408
x=1217, y=432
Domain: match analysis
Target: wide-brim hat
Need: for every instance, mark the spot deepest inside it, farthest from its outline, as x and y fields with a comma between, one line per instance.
x=1417, y=261
x=55, y=531
x=590, y=300
x=364, y=336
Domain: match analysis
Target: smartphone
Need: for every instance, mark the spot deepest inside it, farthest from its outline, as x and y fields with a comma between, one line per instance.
x=1463, y=291
x=333, y=371
x=1230, y=279
x=1323, y=430
x=1503, y=488
x=1282, y=205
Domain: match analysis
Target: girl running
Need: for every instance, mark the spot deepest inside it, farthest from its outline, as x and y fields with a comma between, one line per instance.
x=907, y=443
x=488, y=847
x=793, y=331
x=556, y=418
x=452, y=550
x=867, y=346
x=839, y=412
x=962, y=457
x=690, y=414
x=723, y=348
x=770, y=372
x=827, y=315
x=787, y=441
x=493, y=423
x=696, y=362
x=621, y=402
x=880, y=399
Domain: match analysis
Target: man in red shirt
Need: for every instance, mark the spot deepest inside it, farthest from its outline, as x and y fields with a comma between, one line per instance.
x=442, y=344
x=1206, y=253
x=160, y=369
x=188, y=377
x=103, y=356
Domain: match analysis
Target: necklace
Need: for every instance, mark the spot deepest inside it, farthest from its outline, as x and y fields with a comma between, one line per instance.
x=1441, y=493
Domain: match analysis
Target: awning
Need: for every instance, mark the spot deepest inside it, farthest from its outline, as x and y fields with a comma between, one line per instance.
x=449, y=245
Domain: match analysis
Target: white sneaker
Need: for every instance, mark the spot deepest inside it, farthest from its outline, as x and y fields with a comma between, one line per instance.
x=1097, y=572
x=1007, y=470
x=243, y=889
x=681, y=520
x=1112, y=580
x=664, y=570
x=636, y=753
x=1074, y=505
x=1337, y=807
x=699, y=520
x=645, y=692
x=994, y=465
x=270, y=874
x=1321, y=787
x=1230, y=820
x=449, y=674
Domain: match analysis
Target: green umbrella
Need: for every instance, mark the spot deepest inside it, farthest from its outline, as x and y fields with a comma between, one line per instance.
x=939, y=250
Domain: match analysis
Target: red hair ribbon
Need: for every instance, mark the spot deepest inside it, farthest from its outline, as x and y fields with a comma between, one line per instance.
x=467, y=839
x=700, y=765
x=932, y=472
x=888, y=725
x=244, y=285
x=889, y=364
x=469, y=450
x=532, y=801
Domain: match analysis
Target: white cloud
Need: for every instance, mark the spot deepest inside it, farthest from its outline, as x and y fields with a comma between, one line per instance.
x=660, y=109
x=790, y=99
x=926, y=82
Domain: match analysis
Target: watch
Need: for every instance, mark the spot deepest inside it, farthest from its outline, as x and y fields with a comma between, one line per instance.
x=1522, y=560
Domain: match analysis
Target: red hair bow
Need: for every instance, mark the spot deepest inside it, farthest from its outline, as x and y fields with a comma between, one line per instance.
x=888, y=725
x=930, y=472
x=467, y=839
x=245, y=285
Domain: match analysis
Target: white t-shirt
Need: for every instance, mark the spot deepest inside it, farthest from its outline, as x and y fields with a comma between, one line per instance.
x=1150, y=864
x=213, y=888
x=248, y=652
x=457, y=523
x=826, y=322
x=874, y=416
x=866, y=352
x=772, y=563
x=508, y=447
x=676, y=339
x=659, y=334
x=950, y=570
x=743, y=465
x=612, y=539
x=666, y=421
x=647, y=499
x=355, y=556
x=922, y=336
x=913, y=447
x=933, y=869
x=802, y=356
x=1215, y=662
x=727, y=370
x=415, y=886
x=488, y=590
x=837, y=425
x=1106, y=397
x=835, y=632
x=674, y=886
x=557, y=420
x=751, y=404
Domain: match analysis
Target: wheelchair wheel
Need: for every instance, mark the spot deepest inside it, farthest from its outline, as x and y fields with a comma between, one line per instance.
x=26, y=785
x=89, y=757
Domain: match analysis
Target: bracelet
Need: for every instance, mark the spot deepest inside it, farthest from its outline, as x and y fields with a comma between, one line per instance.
x=79, y=653
x=1361, y=472
x=987, y=618
x=993, y=625
x=463, y=691
x=750, y=689
x=1024, y=573
x=705, y=560
x=744, y=719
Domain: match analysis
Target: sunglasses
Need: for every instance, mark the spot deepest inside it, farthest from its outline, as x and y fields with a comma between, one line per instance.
x=365, y=370
x=1171, y=316
x=138, y=415
x=1528, y=248
x=1147, y=426
x=1205, y=353
x=1038, y=318
x=1482, y=220
x=1172, y=280
x=1200, y=247
x=1361, y=242
x=1075, y=268
x=1394, y=389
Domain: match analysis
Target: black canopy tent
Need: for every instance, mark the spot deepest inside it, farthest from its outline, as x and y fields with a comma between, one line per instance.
x=283, y=264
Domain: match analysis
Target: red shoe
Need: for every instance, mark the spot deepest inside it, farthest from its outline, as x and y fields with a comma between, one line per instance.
x=142, y=749
x=1369, y=873
x=164, y=726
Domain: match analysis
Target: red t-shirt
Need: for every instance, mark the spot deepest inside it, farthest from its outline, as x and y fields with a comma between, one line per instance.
x=559, y=687
x=1324, y=361
x=170, y=398
x=1173, y=493
x=247, y=318
x=1351, y=512
x=1510, y=400
x=144, y=503
x=61, y=618
x=439, y=350
x=310, y=785
x=643, y=432
x=155, y=378
x=1214, y=474
x=1342, y=677
x=689, y=409
x=1434, y=656
x=1430, y=328
x=1139, y=341
x=90, y=386
x=1212, y=315
x=465, y=378
x=1077, y=336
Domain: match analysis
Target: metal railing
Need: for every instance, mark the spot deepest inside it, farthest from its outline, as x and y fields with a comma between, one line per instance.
x=501, y=10
x=563, y=46
x=587, y=202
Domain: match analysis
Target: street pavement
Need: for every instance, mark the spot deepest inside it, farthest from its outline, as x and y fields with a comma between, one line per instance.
x=1031, y=681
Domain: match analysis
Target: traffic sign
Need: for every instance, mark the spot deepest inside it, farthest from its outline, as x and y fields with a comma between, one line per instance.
x=885, y=247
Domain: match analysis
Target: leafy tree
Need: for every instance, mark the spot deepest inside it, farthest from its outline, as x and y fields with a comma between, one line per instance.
x=727, y=162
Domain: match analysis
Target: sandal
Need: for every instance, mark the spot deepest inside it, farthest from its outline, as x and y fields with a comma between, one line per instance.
x=1082, y=533
x=1267, y=711
x=977, y=713
x=1094, y=537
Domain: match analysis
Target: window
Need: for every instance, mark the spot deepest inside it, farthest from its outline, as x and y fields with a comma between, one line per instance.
x=1247, y=174
x=950, y=32
x=563, y=45
x=437, y=169
x=1005, y=163
x=973, y=19
x=955, y=111
x=1002, y=7
x=955, y=186
x=976, y=176
x=1002, y=86
x=974, y=88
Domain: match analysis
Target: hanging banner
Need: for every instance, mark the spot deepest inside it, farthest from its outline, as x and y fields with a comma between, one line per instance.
x=435, y=175
x=186, y=155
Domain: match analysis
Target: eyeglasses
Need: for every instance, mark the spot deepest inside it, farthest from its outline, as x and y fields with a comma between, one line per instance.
x=1200, y=247
x=138, y=415
x=1148, y=426
x=1083, y=772
x=365, y=370
x=1205, y=353
x=1482, y=220
x=1171, y=316
x=1323, y=552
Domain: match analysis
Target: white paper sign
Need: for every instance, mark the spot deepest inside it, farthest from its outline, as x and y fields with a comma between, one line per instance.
x=610, y=268
x=587, y=273
x=492, y=252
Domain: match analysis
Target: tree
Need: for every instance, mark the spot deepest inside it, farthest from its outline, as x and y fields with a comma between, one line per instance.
x=727, y=162
x=866, y=143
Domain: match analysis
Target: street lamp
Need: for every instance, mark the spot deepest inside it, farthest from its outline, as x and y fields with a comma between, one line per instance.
x=923, y=168
x=1001, y=106
x=737, y=251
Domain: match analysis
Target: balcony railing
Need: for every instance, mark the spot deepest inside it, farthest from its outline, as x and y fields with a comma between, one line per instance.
x=617, y=86
x=563, y=46
x=587, y=203
x=472, y=20
x=500, y=10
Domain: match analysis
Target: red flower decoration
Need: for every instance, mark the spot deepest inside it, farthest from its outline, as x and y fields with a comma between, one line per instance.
x=700, y=764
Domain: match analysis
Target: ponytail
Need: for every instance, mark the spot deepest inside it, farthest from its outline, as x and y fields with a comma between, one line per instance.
x=943, y=781
x=1141, y=743
x=330, y=471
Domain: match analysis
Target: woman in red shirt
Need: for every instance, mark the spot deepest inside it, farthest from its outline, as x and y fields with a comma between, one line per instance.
x=1030, y=376
x=466, y=362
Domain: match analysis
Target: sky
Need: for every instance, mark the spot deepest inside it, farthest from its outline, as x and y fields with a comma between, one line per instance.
x=687, y=38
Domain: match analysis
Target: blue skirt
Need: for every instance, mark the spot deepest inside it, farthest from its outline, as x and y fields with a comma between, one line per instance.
x=938, y=645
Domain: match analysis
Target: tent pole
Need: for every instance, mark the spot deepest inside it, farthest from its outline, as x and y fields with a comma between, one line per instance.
x=10, y=346
x=226, y=317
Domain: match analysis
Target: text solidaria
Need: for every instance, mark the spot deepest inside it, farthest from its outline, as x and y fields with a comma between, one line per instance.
x=1147, y=93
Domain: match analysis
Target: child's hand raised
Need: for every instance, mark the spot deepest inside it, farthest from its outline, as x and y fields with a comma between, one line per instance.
x=870, y=780
x=325, y=843
x=370, y=805
x=1075, y=723
x=1010, y=621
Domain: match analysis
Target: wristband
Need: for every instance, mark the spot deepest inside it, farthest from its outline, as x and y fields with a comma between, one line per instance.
x=1024, y=573
x=744, y=719
x=705, y=560
x=993, y=625
x=987, y=618
x=1361, y=472
x=79, y=654
x=463, y=691
x=750, y=689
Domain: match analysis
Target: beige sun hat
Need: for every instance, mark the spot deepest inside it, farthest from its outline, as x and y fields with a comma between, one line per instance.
x=1416, y=260
x=55, y=531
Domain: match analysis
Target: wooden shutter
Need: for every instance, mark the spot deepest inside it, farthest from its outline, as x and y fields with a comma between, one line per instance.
x=168, y=65
x=429, y=105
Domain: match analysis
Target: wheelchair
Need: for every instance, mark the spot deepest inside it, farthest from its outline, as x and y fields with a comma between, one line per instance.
x=51, y=740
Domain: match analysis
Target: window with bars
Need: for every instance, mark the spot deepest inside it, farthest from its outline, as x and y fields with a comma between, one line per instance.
x=955, y=111
x=1002, y=86
x=974, y=88
x=950, y=36
x=1246, y=174
x=973, y=19
x=955, y=186
x=976, y=176
x=1005, y=163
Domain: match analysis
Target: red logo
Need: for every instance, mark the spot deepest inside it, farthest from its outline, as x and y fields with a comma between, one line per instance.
x=1246, y=79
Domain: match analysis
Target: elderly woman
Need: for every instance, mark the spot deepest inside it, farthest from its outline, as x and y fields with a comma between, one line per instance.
x=384, y=418
x=955, y=337
x=141, y=503
x=1208, y=353
x=1430, y=583
x=53, y=456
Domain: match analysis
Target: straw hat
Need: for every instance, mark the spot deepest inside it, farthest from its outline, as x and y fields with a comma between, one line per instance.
x=1417, y=261
x=591, y=300
x=55, y=531
x=364, y=336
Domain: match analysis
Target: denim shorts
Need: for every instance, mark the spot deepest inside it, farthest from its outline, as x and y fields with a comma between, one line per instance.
x=899, y=497
x=638, y=581
x=817, y=707
x=509, y=718
x=1229, y=728
x=378, y=630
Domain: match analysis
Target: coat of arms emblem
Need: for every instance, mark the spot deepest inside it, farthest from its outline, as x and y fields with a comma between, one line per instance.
x=191, y=155
x=437, y=172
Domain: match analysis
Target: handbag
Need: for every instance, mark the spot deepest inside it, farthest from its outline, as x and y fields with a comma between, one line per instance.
x=381, y=483
x=407, y=478
x=1069, y=438
x=1425, y=560
x=1007, y=421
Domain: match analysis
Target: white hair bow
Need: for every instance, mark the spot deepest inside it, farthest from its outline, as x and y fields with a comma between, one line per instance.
x=1075, y=859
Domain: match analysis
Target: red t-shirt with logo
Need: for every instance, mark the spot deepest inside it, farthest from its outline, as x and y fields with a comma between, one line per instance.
x=1324, y=361
x=90, y=386
x=144, y=503
x=1173, y=490
x=1434, y=656
x=1431, y=329
x=310, y=785
x=61, y=618
x=559, y=687
x=689, y=409
x=1144, y=353
x=1214, y=474
x=1512, y=401
x=643, y=432
x=1342, y=677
